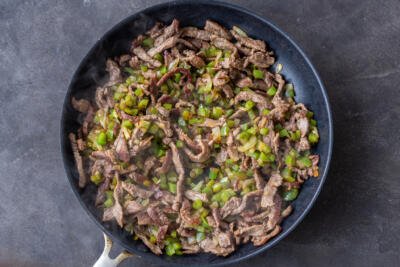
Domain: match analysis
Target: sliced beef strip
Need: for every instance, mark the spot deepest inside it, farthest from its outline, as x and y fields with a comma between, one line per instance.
x=114, y=73
x=81, y=105
x=195, y=33
x=186, y=215
x=132, y=207
x=203, y=155
x=136, y=191
x=168, y=43
x=121, y=148
x=176, y=159
x=217, y=29
x=262, y=102
x=142, y=54
x=270, y=190
x=167, y=32
x=115, y=212
x=156, y=215
x=222, y=43
x=193, y=195
x=261, y=60
x=166, y=163
x=221, y=78
x=104, y=98
x=259, y=180
x=153, y=247
x=249, y=42
x=261, y=240
x=143, y=145
x=78, y=161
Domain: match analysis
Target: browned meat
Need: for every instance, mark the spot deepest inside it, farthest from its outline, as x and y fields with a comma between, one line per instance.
x=213, y=246
x=262, y=102
x=221, y=78
x=261, y=60
x=156, y=30
x=149, y=163
x=136, y=191
x=168, y=43
x=156, y=215
x=166, y=163
x=222, y=43
x=195, y=33
x=114, y=73
x=115, y=212
x=227, y=89
x=161, y=233
x=142, y=54
x=121, y=148
x=132, y=207
x=193, y=195
x=303, y=145
x=153, y=247
x=203, y=155
x=167, y=33
x=210, y=123
x=108, y=155
x=104, y=98
x=217, y=29
x=249, y=42
x=176, y=159
x=259, y=180
x=249, y=202
x=261, y=240
x=81, y=105
x=87, y=121
x=245, y=82
x=270, y=190
x=78, y=161
x=185, y=214
x=143, y=145
x=231, y=205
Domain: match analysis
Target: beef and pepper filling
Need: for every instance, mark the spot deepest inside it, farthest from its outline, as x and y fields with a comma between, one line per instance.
x=195, y=145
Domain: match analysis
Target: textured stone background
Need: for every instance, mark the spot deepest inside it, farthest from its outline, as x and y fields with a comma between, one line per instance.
x=353, y=44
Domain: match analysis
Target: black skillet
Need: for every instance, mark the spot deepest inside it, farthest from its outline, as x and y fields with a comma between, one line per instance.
x=297, y=69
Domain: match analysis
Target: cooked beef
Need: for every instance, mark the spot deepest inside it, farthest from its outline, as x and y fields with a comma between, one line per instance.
x=217, y=29
x=193, y=195
x=121, y=148
x=261, y=60
x=142, y=54
x=203, y=155
x=193, y=32
x=81, y=105
x=136, y=191
x=270, y=190
x=78, y=161
x=176, y=159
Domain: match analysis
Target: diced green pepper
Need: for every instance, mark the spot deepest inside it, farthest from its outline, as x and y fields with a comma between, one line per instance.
x=271, y=91
x=127, y=124
x=213, y=174
x=148, y=42
x=304, y=162
x=264, y=131
x=197, y=204
x=258, y=74
x=217, y=112
x=143, y=103
x=101, y=139
x=291, y=194
x=313, y=138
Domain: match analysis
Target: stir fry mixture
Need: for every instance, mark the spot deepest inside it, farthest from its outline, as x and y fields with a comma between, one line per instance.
x=194, y=143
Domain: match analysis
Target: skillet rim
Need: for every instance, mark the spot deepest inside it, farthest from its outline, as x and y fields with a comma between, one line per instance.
x=322, y=178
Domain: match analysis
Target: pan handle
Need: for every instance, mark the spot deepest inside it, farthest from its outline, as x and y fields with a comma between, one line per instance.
x=105, y=261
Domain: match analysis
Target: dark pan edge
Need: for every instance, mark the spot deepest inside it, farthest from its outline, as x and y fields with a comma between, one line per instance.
x=274, y=241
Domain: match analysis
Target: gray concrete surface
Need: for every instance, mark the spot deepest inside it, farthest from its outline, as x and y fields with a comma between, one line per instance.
x=355, y=45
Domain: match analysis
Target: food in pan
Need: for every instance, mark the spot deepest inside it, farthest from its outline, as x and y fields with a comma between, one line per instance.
x=194, y=143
